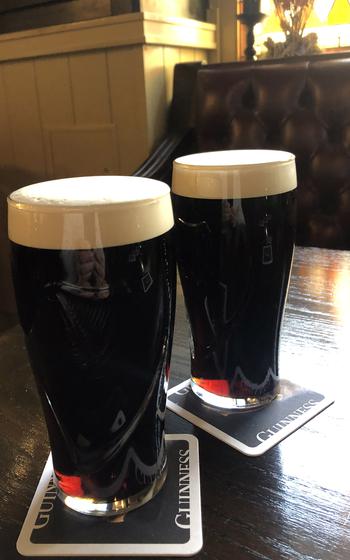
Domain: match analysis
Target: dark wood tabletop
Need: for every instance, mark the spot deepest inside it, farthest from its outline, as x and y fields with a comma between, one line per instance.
x=291, y=503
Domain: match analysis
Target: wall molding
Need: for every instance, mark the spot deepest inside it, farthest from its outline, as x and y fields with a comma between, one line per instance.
x=142, y=28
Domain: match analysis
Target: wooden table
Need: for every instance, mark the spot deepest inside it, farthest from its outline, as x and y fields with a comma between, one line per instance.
x=293, y=502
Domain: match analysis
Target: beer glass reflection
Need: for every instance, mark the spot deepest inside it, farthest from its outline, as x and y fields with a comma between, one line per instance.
x=234, y=217
x=94, y=279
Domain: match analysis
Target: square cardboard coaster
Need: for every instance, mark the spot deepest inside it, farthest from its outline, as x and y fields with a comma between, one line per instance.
x=169, y=525
x=255, y=432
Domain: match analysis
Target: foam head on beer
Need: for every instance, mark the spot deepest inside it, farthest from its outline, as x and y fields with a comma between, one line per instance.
x=89, y=212
x=234, y=174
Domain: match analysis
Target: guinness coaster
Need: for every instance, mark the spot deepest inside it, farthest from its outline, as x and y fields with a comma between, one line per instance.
x=254, y=432
x=169, y=525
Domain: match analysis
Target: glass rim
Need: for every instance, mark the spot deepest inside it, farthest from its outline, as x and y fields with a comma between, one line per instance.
x=193, y=161
x=31, y=197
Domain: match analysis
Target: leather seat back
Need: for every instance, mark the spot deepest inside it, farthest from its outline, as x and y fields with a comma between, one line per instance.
x=298, y=105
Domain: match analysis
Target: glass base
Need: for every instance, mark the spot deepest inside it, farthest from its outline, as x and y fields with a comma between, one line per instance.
x=231, y=403
x=102, y=508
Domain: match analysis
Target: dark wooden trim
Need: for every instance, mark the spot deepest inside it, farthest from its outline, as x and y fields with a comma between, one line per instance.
x=180, y=138
x=159, y=164
x=53, y=13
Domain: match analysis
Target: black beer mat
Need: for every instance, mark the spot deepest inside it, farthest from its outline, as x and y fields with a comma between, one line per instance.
x=255, y=432
x=162, y=527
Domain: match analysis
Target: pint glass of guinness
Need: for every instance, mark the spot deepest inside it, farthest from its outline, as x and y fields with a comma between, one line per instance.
x=234, y=221
x=94, y=279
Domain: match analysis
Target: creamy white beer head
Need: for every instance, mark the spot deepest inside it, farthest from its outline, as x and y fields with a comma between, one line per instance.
x=233, y=174
x=89, y=212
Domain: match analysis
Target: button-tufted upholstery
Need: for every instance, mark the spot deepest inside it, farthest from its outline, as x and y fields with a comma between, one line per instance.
x=298, y=105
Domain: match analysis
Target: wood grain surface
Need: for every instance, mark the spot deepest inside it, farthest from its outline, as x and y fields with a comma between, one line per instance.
x=293, y=503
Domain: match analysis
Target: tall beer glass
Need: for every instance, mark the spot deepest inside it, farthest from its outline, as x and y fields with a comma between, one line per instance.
x=94, y=279
x=234, y=221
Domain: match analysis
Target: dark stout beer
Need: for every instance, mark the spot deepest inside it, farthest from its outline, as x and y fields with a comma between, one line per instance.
x=235, y=240
x=98, y=321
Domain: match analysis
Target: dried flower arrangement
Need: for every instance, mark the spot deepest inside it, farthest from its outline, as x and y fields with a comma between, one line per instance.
x=293, y=16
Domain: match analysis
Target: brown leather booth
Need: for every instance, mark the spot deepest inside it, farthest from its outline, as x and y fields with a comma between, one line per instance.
x=301, y=105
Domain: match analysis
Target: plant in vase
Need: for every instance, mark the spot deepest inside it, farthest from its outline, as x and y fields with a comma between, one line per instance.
x=293, y=16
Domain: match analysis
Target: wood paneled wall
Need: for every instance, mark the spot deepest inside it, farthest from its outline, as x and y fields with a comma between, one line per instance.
x=65, y=103
x=98, y=110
